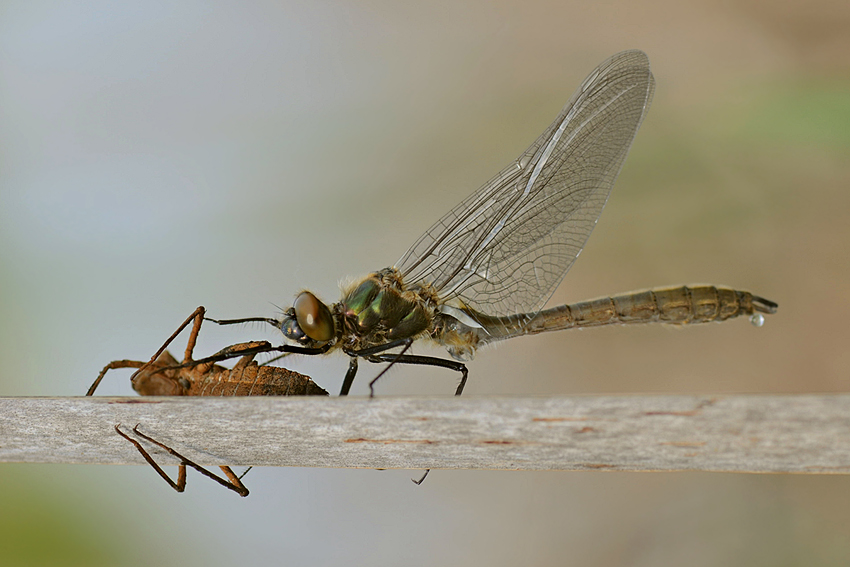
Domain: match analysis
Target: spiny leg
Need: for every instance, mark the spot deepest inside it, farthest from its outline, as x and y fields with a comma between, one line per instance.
x=393, y=359
x=272, y=322
x=287, y=349
x=245, y=351
x=425, y=361
x=368, y=353
x=234, y=484
x=275, y=359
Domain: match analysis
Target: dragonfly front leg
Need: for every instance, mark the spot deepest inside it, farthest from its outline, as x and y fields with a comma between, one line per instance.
x=349, y=376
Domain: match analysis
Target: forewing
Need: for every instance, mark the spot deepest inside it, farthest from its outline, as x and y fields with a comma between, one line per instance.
x=505, y=249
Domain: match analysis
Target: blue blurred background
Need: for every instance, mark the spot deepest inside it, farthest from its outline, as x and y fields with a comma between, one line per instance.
x=157, y=156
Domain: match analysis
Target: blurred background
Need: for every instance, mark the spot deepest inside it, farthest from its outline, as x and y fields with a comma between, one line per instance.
x=157, y=156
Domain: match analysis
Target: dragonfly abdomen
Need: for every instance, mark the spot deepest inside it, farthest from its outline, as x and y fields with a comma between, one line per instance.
x=680, y=305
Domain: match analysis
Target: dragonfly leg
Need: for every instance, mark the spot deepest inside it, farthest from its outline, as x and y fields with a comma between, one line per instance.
x=247, y=352
x=368, y=354
x=234, y=483
x=274, y=359
x=349, y=376
x=373, y=354
x=272, y=322
x=392, y=358
x=426, y=361
x=421, y=479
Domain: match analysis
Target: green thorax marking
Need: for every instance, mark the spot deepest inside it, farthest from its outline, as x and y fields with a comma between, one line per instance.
x=378, y=307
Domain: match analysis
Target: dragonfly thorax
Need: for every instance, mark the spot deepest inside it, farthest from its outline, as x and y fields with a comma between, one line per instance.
x=380, y=309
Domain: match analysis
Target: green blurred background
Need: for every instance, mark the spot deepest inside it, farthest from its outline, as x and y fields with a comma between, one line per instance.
x=156, y=156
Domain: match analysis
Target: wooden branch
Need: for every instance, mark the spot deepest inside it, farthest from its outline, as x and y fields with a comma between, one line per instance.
x=749, y=433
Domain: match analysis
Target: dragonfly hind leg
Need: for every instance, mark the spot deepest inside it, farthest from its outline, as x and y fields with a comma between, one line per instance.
x=425, y=361
x=376, y=354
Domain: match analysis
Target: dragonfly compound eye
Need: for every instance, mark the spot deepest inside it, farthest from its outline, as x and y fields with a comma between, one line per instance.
x=313, y=317
x=290, y=329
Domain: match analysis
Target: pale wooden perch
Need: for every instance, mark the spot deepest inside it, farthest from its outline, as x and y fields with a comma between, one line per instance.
x=741, y=433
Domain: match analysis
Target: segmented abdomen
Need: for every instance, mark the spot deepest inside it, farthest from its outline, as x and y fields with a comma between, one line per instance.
x=675, y=305
x=254, y=380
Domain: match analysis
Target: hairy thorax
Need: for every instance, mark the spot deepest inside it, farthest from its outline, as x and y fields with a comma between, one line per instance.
x=380, y=309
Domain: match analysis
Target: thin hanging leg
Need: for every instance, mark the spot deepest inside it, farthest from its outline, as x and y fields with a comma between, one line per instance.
x=234, y=484
x=422, y=479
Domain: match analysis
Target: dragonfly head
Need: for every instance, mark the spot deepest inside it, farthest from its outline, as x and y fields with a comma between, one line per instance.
x=308, y=321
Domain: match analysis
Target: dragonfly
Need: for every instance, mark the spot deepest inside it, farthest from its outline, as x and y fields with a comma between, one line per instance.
x=484, y=271
x=162, y=375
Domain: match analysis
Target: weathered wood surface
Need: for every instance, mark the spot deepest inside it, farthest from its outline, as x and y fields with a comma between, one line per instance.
x=747, y=433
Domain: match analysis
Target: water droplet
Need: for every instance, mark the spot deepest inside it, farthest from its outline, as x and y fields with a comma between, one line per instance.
x=757, y=320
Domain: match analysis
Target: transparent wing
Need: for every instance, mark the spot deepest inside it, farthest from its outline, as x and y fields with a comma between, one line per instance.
x=505, y=249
